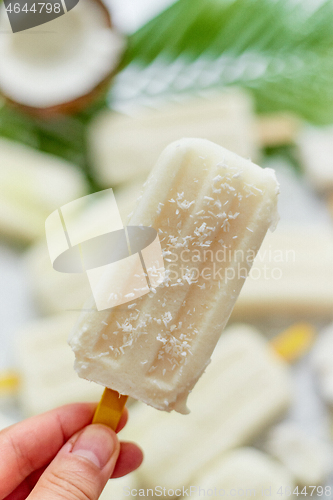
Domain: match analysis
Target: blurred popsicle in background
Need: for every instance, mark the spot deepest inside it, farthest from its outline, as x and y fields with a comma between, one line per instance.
x=124, y=147
x=245, y=471
x=31, y=184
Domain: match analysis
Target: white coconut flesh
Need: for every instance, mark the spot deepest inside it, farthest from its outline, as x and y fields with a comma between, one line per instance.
x=59, y=61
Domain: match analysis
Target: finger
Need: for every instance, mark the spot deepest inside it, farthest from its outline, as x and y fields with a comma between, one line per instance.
x=25, y=488
x=20, y=493
x=82, y=467
x=33, y=443
x=130, y=458
x=123, y=420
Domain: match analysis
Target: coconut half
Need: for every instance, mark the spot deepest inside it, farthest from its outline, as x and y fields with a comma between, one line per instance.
x=60, y=66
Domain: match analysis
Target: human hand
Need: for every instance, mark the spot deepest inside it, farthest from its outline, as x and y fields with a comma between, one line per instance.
x=58, y=455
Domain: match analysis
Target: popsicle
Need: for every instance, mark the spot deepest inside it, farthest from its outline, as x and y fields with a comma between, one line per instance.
x=245, y=389
x=42, y=385
x=226, y=118
x=322, y=362
x=245, y=472
x=305, y=456
x=277, y=282
x=46, y=366
x=211, y=209
x=32, y=184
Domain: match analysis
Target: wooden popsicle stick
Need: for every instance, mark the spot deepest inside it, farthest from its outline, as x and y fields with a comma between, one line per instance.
x=277, y=129
x=110, y=409
x=9, y=382
x=294, y=342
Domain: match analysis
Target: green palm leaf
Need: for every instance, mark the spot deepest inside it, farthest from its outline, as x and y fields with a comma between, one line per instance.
x=281, y=50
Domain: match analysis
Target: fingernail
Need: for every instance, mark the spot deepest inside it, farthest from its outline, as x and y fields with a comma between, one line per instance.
x=96, y=443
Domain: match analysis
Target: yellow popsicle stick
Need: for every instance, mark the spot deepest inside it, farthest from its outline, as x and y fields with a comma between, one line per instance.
x=110, y=409
x=294, y=342
x=9, y=382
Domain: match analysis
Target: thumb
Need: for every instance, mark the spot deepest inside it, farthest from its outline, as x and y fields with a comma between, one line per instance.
x=82, y=467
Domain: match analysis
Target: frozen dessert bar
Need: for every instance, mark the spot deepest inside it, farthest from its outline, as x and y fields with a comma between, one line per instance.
x=246, y=388
x=32, y=184
x=137, y=140
x=46, y=366
x=306, y=457
x=211, y=210
x=278, y=282
x=243, y=472
x=322, y=362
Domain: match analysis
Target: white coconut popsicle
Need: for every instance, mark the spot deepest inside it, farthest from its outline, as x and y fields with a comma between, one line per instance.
x=211, y=209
